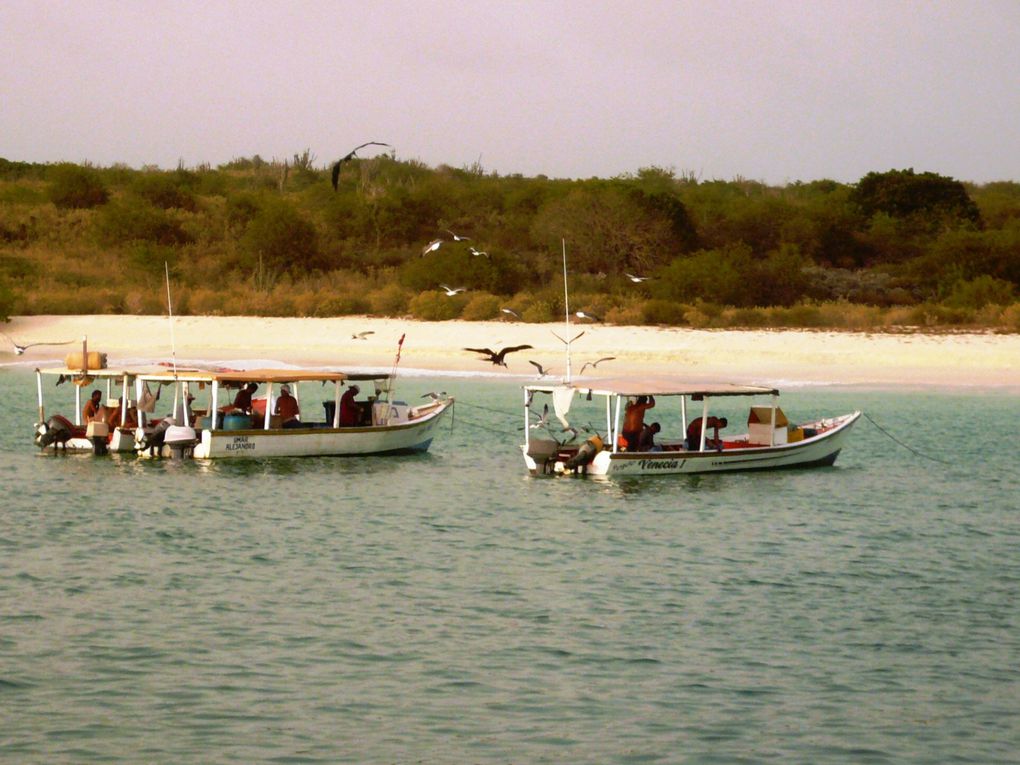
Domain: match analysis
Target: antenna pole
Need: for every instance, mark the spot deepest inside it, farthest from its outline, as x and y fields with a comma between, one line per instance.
x=170, y=311
x=566, y=305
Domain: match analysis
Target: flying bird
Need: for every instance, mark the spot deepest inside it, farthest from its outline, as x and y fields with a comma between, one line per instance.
x=432, y=246
x=362, y=335
x=451, y=291
x=542, y=371
x=637, y=279
x=542, y=421
x=458, y=237
x=351, y=155
x=510, y=312
x=435, y=395
x=476, y=253
x=567, y=342
x=583, y=315
x=498, y=357
x=594, y=364
x=20, y=349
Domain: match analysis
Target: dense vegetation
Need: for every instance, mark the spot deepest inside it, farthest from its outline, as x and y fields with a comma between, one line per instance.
x=897, y=248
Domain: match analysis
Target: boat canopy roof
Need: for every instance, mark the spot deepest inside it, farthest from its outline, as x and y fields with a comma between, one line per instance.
x=113, y=372
x=656, y=386
x=165, y=375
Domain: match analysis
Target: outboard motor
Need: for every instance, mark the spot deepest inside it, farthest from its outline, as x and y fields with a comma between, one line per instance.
x=56, y=430
x=181, y=440
x=586, y=453
x=154, y=441
x=98, y=432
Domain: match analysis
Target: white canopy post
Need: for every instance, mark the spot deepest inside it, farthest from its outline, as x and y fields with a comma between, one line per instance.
x=269, y=404
x=138, y=397
x=615, y=432
x=77, y=405
x=336, y=403
x=125, y=400
x=297, y=400
x=214, y=409
x=683, y=415
x=772, y=422
x=527, y=420
x=38, y=387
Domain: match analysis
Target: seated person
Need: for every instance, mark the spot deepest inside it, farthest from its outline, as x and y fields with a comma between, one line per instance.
x=288, y=409
x=242, y=401
x=91, y=409
x=350, y=412
x=693, y=442
x=646, y=441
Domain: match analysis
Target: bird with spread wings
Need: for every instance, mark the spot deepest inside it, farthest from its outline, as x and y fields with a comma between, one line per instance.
x=349, y=156
x=498, y=358
x=20, y=349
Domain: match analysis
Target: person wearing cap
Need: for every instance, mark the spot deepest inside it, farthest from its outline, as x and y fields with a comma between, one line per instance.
x=350, y=412
x=287, y=407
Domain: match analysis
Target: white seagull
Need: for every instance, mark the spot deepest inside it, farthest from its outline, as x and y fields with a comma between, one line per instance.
x=435, y=395
x=362, y=335
x=451, y=291
x=594, y=364
x=542, y=421
x=637, y=279
x=510, y=312
x=458, y=237
x=20, y=349
x=432, y=246
x=583, y=315
x=542, y=371
x=476, y=253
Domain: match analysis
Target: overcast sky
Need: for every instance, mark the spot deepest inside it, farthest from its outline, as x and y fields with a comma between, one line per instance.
x=772, y=91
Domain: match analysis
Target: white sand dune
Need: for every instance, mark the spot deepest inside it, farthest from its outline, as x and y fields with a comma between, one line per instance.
x=777, y=357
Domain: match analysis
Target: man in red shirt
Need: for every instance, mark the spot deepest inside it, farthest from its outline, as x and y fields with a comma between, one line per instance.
x=350, y=412
x=288, y=409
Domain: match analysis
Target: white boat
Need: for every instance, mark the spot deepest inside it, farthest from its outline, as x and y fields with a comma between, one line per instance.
x=385, y=425
x=770, y=442
x=113, y=430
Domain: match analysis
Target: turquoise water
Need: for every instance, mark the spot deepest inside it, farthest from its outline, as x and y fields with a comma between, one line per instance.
x=448, y=608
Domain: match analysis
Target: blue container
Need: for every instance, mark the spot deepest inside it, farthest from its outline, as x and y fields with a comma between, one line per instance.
x=237, y=422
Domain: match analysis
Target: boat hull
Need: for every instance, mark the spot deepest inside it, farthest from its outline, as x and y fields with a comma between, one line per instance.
x=818, y=451
x=404, y=438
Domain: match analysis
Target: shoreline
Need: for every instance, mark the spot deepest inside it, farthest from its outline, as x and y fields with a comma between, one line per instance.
x=786, y=357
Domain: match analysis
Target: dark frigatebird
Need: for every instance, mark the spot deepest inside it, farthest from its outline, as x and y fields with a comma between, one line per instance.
x=351, y=155
x=497, y=357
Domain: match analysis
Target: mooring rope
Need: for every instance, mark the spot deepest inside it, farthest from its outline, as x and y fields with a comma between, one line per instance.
x=905, y=446
x=489, y=409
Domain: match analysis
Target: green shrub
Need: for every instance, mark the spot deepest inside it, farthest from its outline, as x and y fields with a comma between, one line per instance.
x=981, y=291
x=341, y=305
x=390, y=300
x=481, y=307
x=132, y=220
x=667, y=312
x=282, y=238
x=163, y=190
x=436, y=306
x=72, y=186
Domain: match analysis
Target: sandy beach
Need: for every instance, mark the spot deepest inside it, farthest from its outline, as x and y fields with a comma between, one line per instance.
x=775, y=357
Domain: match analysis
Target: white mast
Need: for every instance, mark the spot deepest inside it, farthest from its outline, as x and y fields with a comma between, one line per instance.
x=566, y=306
